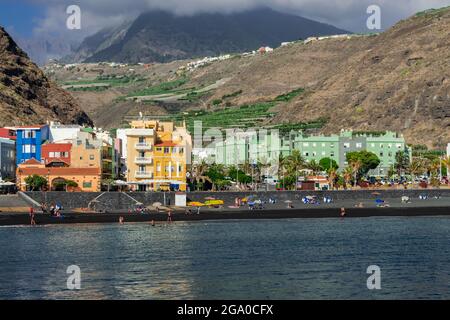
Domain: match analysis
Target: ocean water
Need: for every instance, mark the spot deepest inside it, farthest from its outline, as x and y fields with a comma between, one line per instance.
x=264, y=259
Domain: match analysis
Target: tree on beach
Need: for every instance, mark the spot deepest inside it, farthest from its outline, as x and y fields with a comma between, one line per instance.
x=328, y=163
x=347, y=176
x=216, y=173
x=314, y=167
x=199, y=171
x=36, y=182
x=416, y=167
x=295, y=162
x=367, y=159
x=332, y=177
x=402, y=162
x=355, y=166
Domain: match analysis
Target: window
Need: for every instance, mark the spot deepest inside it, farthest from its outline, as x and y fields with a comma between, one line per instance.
x=87, y=184
x=27, y=134
x=323, y=144
x=26, y=148
x=141, y=139
x=305, y=144
x=51, y=154
x=389, y=146
x=347, y=145
x=323, y=153
x=166, y=150
x=181, y=150
x=359, y=145
x=314, y=144
x=381, y=145
x=390, y=154
x=306, y=154
x=332, y=154
x=381, y=154
x=314, y=153
x=332, y=145
x=399, y=146
x=91, y=157
x=372, y=145
x=158, y=149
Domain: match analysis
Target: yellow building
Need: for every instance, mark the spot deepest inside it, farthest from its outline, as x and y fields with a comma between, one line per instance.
x=158, y=154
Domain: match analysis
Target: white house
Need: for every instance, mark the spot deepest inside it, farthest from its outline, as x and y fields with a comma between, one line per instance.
x=60, y=132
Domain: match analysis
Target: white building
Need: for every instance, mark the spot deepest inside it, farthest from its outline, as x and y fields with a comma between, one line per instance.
x=60, y=133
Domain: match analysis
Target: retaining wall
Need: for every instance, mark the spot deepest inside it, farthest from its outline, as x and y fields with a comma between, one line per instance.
x=123, y=201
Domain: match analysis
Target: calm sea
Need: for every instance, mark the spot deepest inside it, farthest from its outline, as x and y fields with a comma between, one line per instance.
x=265, y=259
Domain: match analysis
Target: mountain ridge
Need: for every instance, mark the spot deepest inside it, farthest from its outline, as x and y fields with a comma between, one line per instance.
x=26, y=95
x=159, y=36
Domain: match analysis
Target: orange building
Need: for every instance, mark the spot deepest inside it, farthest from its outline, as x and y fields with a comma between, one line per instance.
x=58, y=173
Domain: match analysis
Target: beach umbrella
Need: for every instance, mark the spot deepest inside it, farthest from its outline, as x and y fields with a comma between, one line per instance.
x=288, y=201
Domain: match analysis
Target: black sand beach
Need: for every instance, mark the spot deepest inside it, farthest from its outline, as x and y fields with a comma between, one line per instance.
x=330, y=212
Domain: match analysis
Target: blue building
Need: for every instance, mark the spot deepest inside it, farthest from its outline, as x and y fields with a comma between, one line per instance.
x=29, y=142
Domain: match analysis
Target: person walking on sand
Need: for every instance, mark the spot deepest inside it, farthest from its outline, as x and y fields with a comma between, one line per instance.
x=121, y=220
x=343, y=213
x=153, y=223
x=32, y=221
x=169, y=216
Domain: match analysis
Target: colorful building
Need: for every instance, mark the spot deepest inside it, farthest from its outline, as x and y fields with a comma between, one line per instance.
x=157, y=155
x=29, y=142
x=56, y=152
x=8, y=133
x=7, y=159
x=58, y=174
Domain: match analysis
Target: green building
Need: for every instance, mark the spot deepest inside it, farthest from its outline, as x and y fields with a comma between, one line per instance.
x=266, y=146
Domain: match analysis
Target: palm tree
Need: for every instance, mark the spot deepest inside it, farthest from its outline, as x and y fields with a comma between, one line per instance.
x=199, y=170
x=295, y=163
x=347, y=175
x=314, y=167
x=355, y=168
x=332, y=175
x=416, y=167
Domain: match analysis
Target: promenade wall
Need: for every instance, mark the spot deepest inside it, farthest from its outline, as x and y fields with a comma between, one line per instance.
x=111, y=201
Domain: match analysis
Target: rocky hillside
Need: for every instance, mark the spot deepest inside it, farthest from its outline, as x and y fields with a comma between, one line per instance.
x=398, y=80
x=159, y=36
x=26, y=95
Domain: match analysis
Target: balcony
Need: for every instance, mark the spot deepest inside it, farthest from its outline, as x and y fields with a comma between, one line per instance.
x=143, y=174
x=143, y=160
x=143, y=146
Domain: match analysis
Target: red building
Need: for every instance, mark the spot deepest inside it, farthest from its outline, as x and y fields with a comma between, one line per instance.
x=7, y=133
x=56, y=152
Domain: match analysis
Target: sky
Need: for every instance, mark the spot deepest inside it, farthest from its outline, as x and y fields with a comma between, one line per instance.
x=38, y=20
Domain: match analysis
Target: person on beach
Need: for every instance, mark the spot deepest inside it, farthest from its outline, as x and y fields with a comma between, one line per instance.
x=121, y=220
x=44, y=208
x=32, y=221
x=169, y=216
x=153, y=223
x=343, y=213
